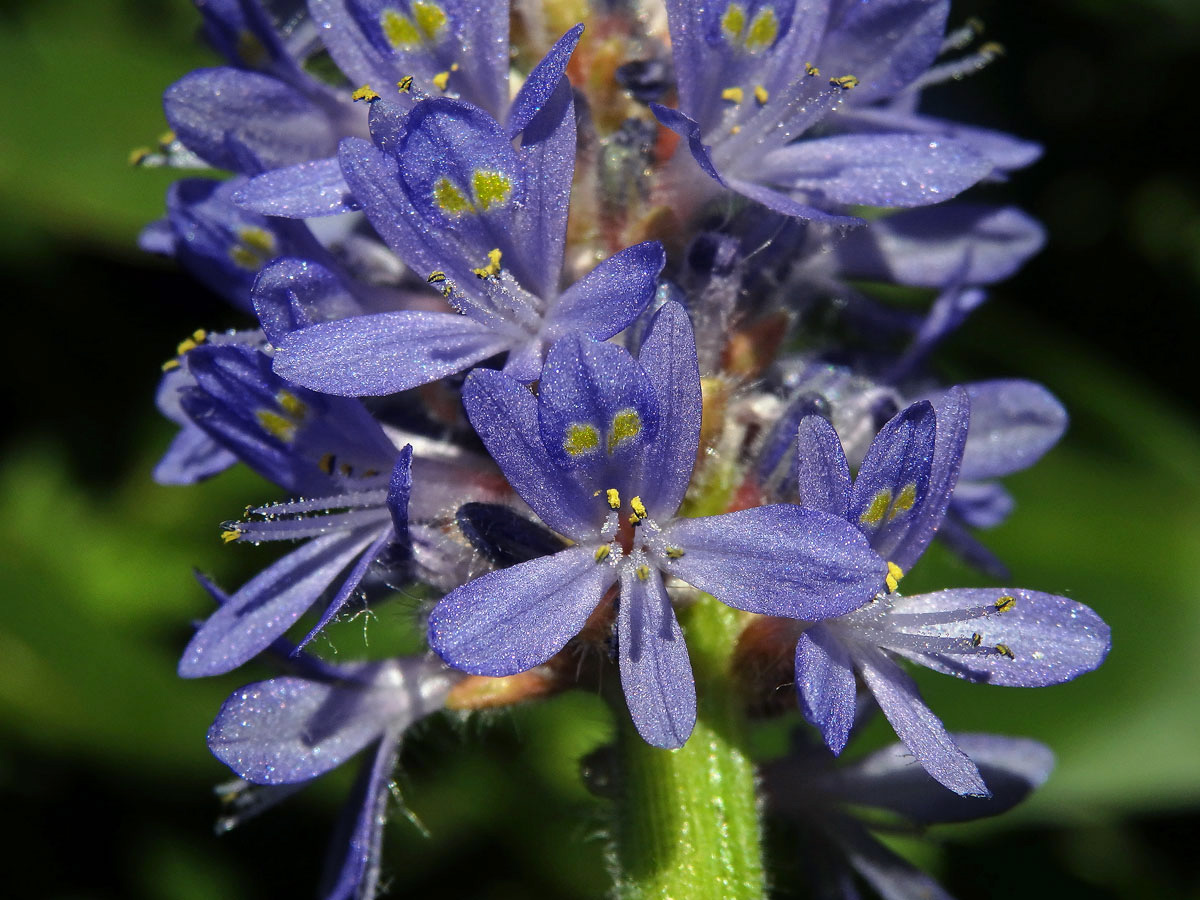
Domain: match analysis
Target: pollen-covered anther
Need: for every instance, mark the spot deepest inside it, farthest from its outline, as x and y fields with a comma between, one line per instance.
x=675, y=553
x=638, y=507
x=845, y=82
x=1005, y=651
x=404, y=85
x=492, y=269
x=976, y=639
x=643, y=572
x=365, y=93
x=442, y=79
x=761, y=96
x=894, y=574
x=811, y=70
x=613, y=498
x=733, y=94
x=326, y=463
x=439, y=280
x=255, y=247
x=1005, y=603
x=230, y=534
x=602, y=553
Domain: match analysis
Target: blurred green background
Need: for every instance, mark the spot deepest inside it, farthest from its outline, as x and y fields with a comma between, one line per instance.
x=105, y=778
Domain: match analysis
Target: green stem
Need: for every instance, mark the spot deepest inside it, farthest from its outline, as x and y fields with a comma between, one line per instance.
x=687, y=823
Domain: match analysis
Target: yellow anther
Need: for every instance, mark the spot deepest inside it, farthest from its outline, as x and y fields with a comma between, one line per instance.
x=991, y=50
x=581, y=438
x=492, y=269
x=638, y=507
x=811, y=70
x=199, y=335
x=626, y=425
x=763, y=30
x=291, y=404
x=439, y=279
x=166, y=139
x=735, y=129
x=904, y=501
x=364, y=93
x=450, y=199
x=491, y=188
x=231, y=535
x=845, y=82
x=761, y=95
x=170, y=364
x=346, y=469
x=256, y=245
x=894, y=574
x=441, y=80
x=138, y=155
x=674, y=552
x=976, y=639
x=1005, y=650
x=643, y=572
x=405, y=84
x=877, y=508
x=185, y=345
x=276, y=425
x=613, y=496
x=733, y=94
x=602, y=552
x=1004, y=604
x=325, y=463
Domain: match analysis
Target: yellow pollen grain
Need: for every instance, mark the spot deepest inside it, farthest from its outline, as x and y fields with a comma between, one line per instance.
x=364, y=93
x=638, y=507
x=877, y=508
x=581, y=438
x=904, y=501
x=613, y=497
x=643, y=573
x=1004, y=604
x=733, y=94
x=450, y=199
x=492, y=269
x=626, y=425
x=491, y=188
x=763, y=30
x=761, y=95
x=602, y=552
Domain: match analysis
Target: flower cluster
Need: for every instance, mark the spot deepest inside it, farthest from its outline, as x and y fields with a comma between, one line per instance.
x=578, y=331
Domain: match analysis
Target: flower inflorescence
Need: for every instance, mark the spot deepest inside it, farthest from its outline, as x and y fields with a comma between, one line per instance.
x=576, y=330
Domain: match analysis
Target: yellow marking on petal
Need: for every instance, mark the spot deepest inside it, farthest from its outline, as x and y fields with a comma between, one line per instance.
x=1004, y=604
x=733, y=94
x=405, y=84
x=638, y=507
x=364, y=93
x=399, y=30
x=613, y=497
x=581, y=438
x=602, y=552
x=626, y=425
x=763, y=31
x=325, y=463
x=231, y=535
x=761, y=95
x=904, y=500
x=1005, y=650
x=441, y=80
x=976, y=639
x=877, y=508
x=292, y=405
x=491, y=188
x=733, y=22
x=492, y=269
x=845, y=82
x=431, y=19
x=450, y=199
x=674, y=552
x=811, y=70
x=643, y=572
x=276, y=425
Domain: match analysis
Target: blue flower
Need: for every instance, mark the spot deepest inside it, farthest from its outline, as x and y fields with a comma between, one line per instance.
x=604, y=455
x=452, y=197
x=1006, y=636
x=757, y=77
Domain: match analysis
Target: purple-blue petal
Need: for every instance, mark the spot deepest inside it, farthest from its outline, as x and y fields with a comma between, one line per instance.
x=610, y=296
x=886, y=44
x=822, y=473
x=779, y=560
x=192, y=456
x=1013, y=423
x=291, y=293
x=510, y=620
x=542, y=82
x=656, y=673
x=825, y=685
x=305, y=190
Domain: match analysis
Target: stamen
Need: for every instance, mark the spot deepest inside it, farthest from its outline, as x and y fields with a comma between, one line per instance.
x=1004, y=604
x=895, y=573
x=602, y=552
x=364, y=93
x=811, y=70
x=733, y=94
x=761, y=95
x=845, y=82
x=492, y=269
x=613, y=496
x=1005, y=651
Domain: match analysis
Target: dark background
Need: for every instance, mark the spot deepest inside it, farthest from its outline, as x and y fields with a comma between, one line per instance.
x=106, y=782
